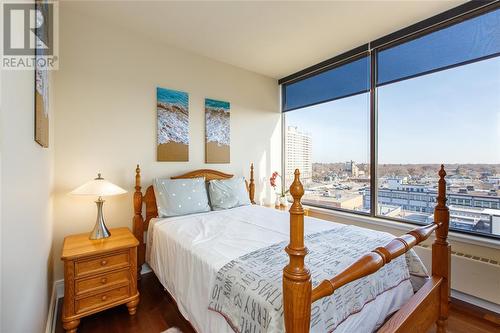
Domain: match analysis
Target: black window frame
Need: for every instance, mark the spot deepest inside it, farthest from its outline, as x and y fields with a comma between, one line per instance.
x=440, y=21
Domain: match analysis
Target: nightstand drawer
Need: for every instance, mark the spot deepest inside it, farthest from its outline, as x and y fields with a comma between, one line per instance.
x=101, y=264
x=103, y=281
x=101, y=299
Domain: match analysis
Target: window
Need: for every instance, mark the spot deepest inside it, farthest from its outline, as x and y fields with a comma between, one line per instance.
x=450, y=117
x=417, y=100
x=438, y=102
x=329, y=141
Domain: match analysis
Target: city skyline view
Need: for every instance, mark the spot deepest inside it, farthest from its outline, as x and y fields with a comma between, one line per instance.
x=404, y=191
x=419, y=128
x=411, y=115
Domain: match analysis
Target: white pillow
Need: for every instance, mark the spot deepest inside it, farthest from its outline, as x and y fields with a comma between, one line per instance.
x=228, y=193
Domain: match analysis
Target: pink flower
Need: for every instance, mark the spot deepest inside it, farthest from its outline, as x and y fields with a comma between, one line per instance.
x=272, y=180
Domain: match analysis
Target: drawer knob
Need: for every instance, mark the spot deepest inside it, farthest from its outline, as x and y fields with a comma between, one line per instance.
x=103, y=298
x=104, y=262
x=104, y=280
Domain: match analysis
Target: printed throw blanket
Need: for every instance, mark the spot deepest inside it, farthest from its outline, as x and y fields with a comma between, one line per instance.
x=248, y=291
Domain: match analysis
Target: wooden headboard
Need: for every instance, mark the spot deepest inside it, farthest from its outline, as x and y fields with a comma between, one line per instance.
x=141, y=224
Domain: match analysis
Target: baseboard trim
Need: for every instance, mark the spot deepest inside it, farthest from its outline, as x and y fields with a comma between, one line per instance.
x=59, y=286
x=49, y=326
x=55, y=296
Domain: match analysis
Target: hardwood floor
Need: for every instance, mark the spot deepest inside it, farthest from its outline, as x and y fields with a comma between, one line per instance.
x=157, y=311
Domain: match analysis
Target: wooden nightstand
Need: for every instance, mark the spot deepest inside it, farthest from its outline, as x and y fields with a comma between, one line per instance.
x=98, y=274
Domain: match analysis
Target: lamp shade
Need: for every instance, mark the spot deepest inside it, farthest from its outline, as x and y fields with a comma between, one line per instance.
x=98, y=187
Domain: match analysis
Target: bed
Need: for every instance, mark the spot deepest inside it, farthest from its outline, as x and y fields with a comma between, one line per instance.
x=196, y=255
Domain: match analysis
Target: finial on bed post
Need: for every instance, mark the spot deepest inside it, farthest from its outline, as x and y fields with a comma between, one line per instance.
x=137, y=178
x=441, y=211
x=251, y=186
x=297, y=285
x=138, y=221
x=441, y=250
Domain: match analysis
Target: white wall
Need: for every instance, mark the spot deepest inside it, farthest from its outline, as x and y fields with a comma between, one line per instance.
x=26, y=209
x=106, y=109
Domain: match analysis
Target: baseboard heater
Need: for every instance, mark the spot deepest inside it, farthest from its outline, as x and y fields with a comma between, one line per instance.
x=470, y=275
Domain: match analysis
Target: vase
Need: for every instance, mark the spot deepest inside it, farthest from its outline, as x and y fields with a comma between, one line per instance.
x=283, y=201
x=277, y=202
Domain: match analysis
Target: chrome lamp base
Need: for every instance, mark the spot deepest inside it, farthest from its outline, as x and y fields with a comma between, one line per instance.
x=100, y=231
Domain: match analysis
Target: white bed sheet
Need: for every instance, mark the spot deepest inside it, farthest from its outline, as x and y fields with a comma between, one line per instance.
x=186, y=252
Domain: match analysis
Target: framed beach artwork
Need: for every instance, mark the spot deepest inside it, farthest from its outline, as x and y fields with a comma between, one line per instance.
x=217, y=131
x=41, y=84
x=172, y=125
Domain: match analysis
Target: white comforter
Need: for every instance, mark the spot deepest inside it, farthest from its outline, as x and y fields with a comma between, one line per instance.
x=186, y=252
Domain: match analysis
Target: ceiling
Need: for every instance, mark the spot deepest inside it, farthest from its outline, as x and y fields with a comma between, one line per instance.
x=271, y=38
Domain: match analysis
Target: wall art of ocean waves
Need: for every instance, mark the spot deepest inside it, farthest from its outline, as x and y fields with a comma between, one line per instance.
x=173, y=124
x=217, y=126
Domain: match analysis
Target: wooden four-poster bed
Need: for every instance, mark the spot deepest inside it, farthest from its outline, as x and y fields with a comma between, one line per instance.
x=427, y=306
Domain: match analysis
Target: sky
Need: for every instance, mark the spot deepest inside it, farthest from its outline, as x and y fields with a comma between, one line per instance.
x=451, y=116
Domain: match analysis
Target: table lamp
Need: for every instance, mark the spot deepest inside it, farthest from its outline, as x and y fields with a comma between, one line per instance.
x=99, y=187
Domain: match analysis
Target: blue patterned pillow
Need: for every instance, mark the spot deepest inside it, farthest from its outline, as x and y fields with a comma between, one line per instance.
x=228, y=193
x=180, y=196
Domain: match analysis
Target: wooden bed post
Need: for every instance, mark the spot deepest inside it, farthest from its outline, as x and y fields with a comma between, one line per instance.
x=297, y=286
x=138, y=222
x=441, y=251
x=251, y=186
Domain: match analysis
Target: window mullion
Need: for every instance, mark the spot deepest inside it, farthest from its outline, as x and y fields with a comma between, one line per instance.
x=373, y=133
